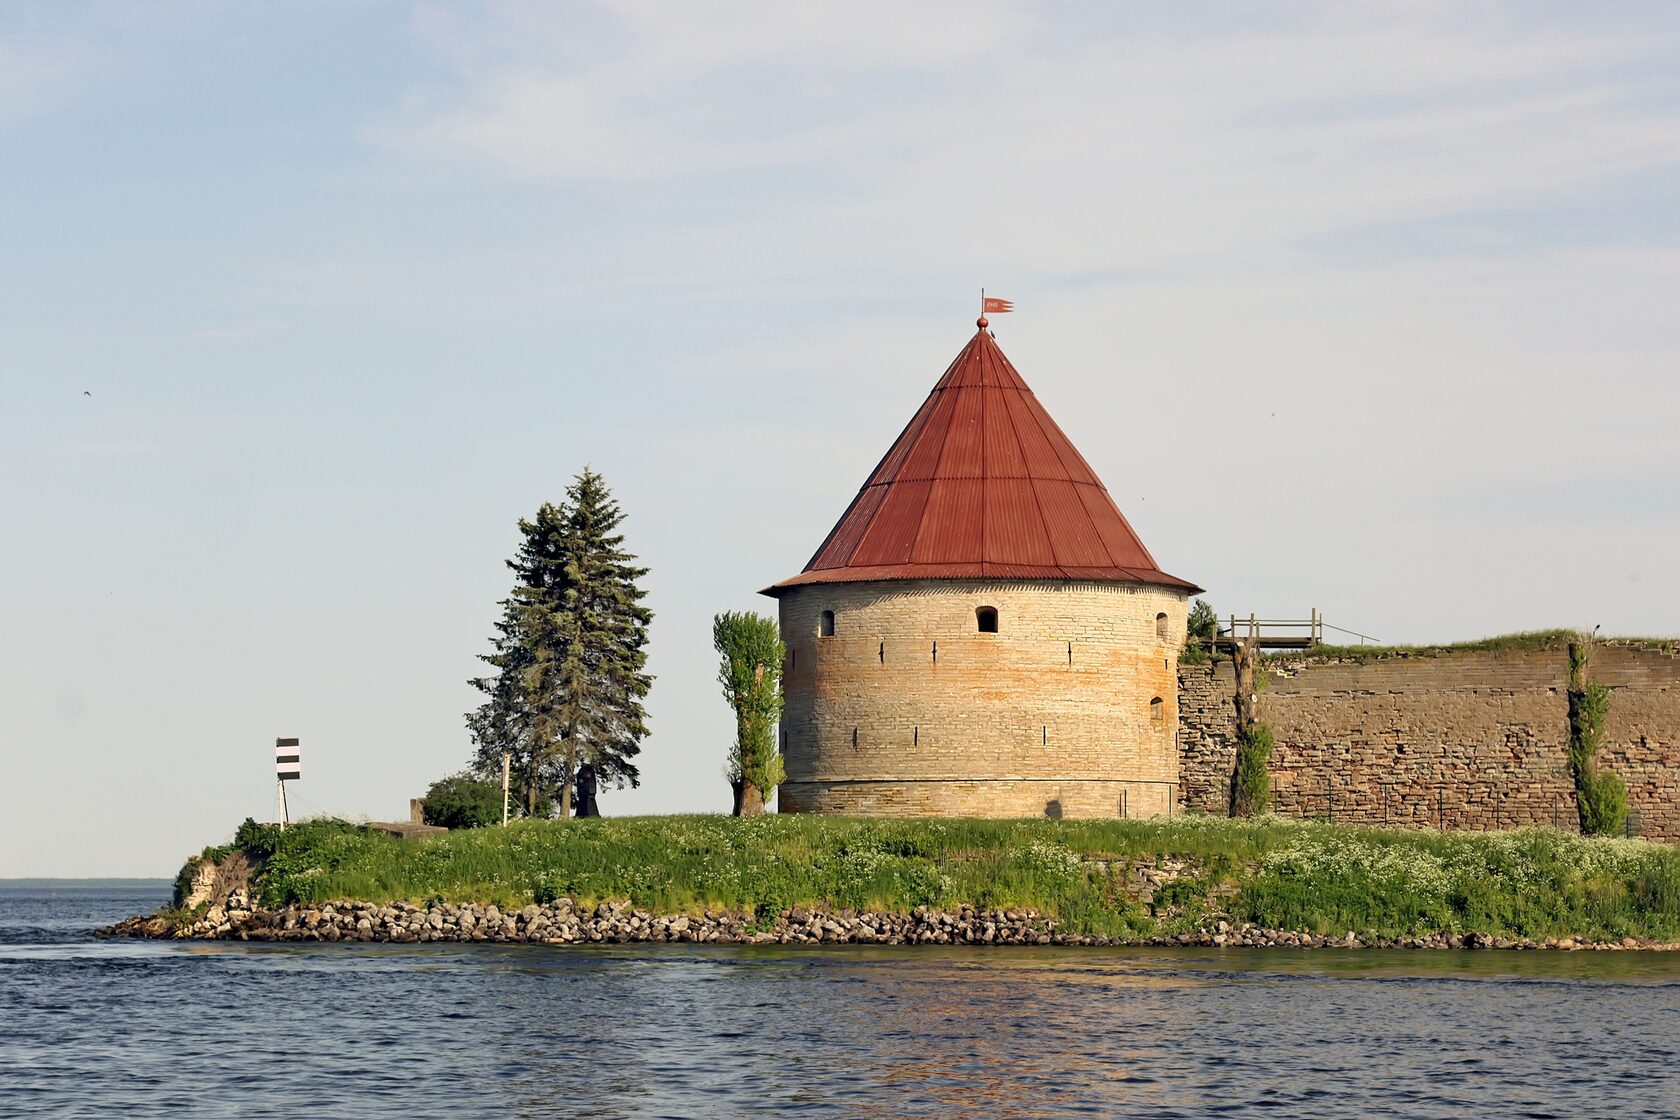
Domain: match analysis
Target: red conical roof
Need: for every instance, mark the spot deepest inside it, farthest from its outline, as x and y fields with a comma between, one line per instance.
x=982, y=483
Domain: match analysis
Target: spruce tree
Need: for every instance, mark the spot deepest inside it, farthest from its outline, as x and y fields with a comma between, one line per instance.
x=570, y=651
x=518, y=717
x=601, y=682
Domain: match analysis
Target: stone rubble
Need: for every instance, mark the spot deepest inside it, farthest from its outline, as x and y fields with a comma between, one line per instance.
x=563, y=923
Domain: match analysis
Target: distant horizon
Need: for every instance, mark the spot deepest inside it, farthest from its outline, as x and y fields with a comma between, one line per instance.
x=91, y=880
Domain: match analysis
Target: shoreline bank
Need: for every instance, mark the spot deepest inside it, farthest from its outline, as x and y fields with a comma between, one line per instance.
x=788, y=880
x=615, y=923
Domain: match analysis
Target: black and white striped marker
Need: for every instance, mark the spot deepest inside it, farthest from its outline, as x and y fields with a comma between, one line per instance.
x=286, y=765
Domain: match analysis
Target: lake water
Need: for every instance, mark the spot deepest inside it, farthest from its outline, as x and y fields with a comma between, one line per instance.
x=132, y=1028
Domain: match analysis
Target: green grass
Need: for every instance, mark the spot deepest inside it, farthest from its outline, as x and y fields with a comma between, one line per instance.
x=1270, y=871
x=1525, y=640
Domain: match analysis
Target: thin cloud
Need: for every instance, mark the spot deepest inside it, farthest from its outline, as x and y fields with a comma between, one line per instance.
x=689, y=90
x=39, y=73
x=1069, y=153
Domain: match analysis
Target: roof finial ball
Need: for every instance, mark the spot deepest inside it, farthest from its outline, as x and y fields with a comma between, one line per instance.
x=981, y=322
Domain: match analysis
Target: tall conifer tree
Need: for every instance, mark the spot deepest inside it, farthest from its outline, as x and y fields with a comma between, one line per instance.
x=570, y=652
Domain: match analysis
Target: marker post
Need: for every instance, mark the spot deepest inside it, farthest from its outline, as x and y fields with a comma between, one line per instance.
x=286, y=769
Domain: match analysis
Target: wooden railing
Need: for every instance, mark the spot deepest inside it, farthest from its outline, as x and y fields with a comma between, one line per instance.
x=1275, y=632
x=1281, y=633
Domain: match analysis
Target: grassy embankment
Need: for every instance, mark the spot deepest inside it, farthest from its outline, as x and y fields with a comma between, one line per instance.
x=1527, y=640
x=1271, y=872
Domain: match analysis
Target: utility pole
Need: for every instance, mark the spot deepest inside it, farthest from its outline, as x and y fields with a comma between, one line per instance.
x=507, y=762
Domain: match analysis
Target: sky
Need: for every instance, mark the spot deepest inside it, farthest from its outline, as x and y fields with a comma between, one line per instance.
x=1358, y=307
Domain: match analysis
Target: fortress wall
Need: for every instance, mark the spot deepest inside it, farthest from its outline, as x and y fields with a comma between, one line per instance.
x=1049, y=716
x=1207, y=736
x=1643, y=732
x=1461, y=740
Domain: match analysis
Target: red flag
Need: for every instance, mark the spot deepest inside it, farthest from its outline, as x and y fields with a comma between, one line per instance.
x=992, y=305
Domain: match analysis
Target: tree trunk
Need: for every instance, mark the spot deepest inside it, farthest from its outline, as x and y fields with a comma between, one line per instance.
x=1246, y=703
x=749, y=799
x=571, y=770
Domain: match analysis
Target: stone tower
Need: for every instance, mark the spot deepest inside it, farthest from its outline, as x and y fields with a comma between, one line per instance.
x=982, y=634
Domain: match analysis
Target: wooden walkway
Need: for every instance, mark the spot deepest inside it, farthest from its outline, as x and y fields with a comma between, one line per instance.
x=1279, y=633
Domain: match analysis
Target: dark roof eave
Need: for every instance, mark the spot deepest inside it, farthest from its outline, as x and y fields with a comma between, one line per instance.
x=1152, y=578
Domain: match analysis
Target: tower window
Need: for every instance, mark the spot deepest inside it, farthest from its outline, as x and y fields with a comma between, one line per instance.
x=1157, y=710
x=825, y=624
x=1161, y=626
x=986, y=617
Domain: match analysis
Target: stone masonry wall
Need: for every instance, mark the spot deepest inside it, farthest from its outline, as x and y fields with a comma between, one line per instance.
x=1643, y=732
x=908, y=710
x=1207, y=736
x=1456, y=740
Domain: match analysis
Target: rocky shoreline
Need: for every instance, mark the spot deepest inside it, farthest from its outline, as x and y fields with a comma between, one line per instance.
x=562, y=923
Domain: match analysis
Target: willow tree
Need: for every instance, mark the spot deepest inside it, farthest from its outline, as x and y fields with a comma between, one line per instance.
x=751, y=675
x=570, y=652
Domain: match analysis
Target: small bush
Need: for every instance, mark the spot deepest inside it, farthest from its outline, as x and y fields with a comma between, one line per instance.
x=184, y=877
x=1201, y=629
x=1252, y=782
x=183, y=881
x=463, y=801
x=296, y=858
x=1180, y=893
x=1603, y=798
x=257, y=841
x=544, y=891
x=1202, y=623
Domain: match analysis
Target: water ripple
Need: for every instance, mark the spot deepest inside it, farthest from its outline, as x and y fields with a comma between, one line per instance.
x=411, y=1031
